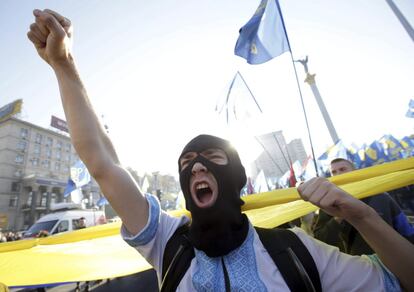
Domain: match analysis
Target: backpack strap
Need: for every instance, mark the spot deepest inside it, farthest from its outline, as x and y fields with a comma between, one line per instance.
x=177, y=258
x=292, y=258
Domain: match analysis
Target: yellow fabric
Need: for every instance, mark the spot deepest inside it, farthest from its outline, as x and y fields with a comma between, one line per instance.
x=100, y=253
x=276, y=215
x=3, y=288
x=291, y=194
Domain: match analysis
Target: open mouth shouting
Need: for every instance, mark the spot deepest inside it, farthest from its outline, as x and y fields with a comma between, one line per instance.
x=204, y=193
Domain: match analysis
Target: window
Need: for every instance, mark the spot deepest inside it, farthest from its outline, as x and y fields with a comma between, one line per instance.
x=15, y=187
x=19, y=159
x=65, y=168
x=62, y=227
x=36, y=150
x=46, y=163
x=37, y=227
x=18, y=173
x=24, y=133
x=67, y=158
x=59, y=145
x=38, y=138
x=58, y=155
x=67, y=148
x=53, y=198
x=49, y=142
x=29, y=199
x=43, y=200
x=48, y=153
x=57, y=166
x=13, y=201
x=35, y=161
x=22, y=145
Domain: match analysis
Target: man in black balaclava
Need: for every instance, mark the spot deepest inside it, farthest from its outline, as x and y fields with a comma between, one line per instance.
x=211, y=178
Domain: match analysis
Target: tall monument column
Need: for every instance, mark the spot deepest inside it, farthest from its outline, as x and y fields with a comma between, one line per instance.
x=310, y=79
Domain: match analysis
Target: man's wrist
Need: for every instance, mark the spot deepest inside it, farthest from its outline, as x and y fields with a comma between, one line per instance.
x=63, y=64
x=368, y=216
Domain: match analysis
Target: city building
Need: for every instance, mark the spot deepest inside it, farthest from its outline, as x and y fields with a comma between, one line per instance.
x=34, y=169
x=277, y=155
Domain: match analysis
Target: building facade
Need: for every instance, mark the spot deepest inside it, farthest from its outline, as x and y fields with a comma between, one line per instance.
x=34, y=169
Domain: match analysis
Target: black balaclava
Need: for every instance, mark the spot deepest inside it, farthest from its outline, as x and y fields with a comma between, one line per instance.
x=221, y=228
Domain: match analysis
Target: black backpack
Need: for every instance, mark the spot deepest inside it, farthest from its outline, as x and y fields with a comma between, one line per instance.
x=287, y=251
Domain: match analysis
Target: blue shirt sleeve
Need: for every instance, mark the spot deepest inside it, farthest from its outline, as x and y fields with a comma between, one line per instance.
x=391, y=283
x=150, y=229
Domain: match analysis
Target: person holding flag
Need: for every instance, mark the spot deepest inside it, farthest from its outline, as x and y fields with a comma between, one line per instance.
x=227, y=252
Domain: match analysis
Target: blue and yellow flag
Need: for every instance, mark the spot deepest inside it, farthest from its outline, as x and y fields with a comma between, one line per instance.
x=392, y=146
x=410, y=111
x=264, y=36
x=375, y=154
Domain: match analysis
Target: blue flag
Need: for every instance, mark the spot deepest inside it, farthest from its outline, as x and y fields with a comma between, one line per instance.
x=408, y=144
x=410, y=111
x=264, y=36
x=393, y=147
x=80, y=174
x=70, y=187
x=375, y=154
x=354, y=155
x=102, y=201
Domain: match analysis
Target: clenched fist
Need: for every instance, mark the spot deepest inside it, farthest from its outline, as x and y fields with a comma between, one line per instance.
x=51, y=35
x=333, y=200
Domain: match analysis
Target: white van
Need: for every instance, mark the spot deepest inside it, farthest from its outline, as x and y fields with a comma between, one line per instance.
x=64, y=220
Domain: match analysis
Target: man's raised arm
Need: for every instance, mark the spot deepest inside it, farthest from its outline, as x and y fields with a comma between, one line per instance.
x=51, y=35
x=396, y=252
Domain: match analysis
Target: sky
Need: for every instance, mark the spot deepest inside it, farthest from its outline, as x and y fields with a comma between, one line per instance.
x=156, y=70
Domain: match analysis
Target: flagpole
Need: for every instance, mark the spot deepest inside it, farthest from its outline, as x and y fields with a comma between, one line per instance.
x=260, y=109
x=268, y=153
x=228, y=96
x=300, y=91
x=404, y=22
x=304, y=113
x=251, y=93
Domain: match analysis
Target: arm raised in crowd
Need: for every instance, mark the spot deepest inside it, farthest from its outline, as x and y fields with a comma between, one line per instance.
x=51, y=35
x=395, y=251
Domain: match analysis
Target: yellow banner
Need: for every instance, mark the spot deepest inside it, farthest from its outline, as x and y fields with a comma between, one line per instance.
x=10, y=109
x=100, y=253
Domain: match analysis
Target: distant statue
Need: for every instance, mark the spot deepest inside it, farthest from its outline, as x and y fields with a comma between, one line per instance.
x=304, y=62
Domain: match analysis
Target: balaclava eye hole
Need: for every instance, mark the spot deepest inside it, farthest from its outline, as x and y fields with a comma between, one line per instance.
x=204, y=142
x=216, y=156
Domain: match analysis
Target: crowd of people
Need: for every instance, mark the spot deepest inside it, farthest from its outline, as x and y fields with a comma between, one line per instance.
x=8, y=236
